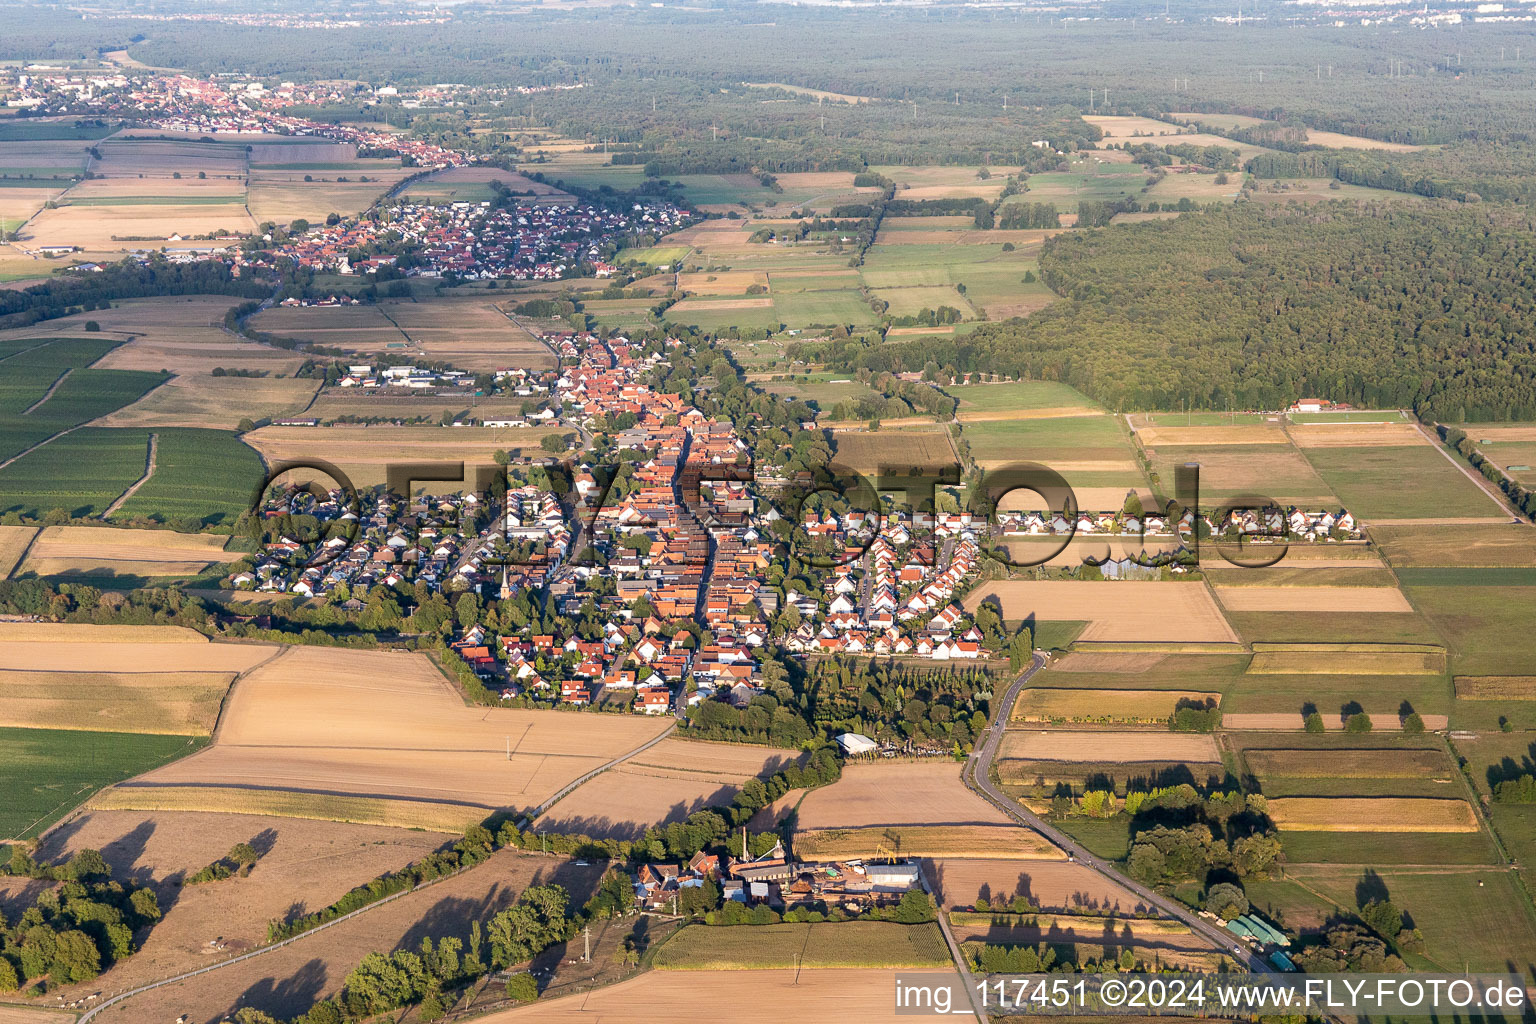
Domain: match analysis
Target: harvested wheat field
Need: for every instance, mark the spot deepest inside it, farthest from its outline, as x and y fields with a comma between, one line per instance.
x=163, y=703
x=473, y=334
x=1122, y=610
x=128, y=226
x=1313, y=599
x=389, y=727
x=1051, y=885
x=95, y=550
x=904, y=793
x=992, y=842
x=1135, y=706
x=59, y=647
x=215, y=403
x=13, y=544
x=366, y=453
x=10, y=1014
x=1058, y=745
x=287, y=981
x=1081, y=550
x=1249, y=433
x=1345, y=660
x=722, y=282
x=857, y=996
x=1353, y=434
x=666, y=783
x=1051, y=413
x=891, y=449
x=304, y=864
x=1131, y=663
x=1380, y=763
x=1495, y=687
x=1472, y=546
x=1372, y=814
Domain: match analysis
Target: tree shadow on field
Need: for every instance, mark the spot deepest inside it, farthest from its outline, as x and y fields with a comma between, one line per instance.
x=451, y=916
x=288, y=997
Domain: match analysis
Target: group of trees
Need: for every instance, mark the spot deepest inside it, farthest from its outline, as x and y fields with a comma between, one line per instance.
x=76, y=929
x=1255, y=306
x=1177, y=834
x=940, y=707
x=1523, y=498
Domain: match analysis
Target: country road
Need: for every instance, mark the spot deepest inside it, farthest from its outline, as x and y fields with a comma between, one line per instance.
x=978, y=776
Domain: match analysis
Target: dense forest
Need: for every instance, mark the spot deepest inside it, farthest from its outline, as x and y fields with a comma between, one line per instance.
x=1431, y=307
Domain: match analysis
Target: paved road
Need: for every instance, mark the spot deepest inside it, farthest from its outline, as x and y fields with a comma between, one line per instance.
x=977, y=776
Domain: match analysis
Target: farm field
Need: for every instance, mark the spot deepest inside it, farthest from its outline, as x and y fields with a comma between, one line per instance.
x=892, y=449
x=1484, y=627
x=281, y=193
x=304, y=865
x=1144, y=707
x=1122, y=611
x=46, y=773
x=1386, y=482
x=216, y=403
x=13, y=545
x=288, y=981
x=1011, y=398
x=666, y=783
x=160, y=703
x=471, y=333
x=1479, y=546
x=206, y=476
x=1061, y=745
x=755, y=997
x=1313, y=599
x=904, y=793
x=1232, y=470
x=987, y=842
x=94, y=551
x=1050, y=885
x=50, y=386
x=1372, y=814
x=82, y=472
x=1336, y=627
x=829, y=944
x=1303, y=575
x=1027, y=551
x=1472, y=920
x=410, y=739
x=364, y=453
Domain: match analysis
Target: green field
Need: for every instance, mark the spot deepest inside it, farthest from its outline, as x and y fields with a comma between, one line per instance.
x=1333, y=627
x=1066, y=189
x=82, y=472
x=29, y=368
x=1056, y=439
x=841, y=307
x=1488, y=629
x=1471, y=920
x=208, y=475
x=1399, y=482
x=1011, y=396
x=831, y=944
x=1283, y=694
x=1382, y=848
x=655, y=256
x=45, y=773
x=1109, y=838
x=12, y=130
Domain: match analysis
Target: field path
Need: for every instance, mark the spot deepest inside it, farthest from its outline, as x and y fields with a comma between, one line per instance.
x=571, y=787
x=978, y=776
x=149, y=471
x=49, y=393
